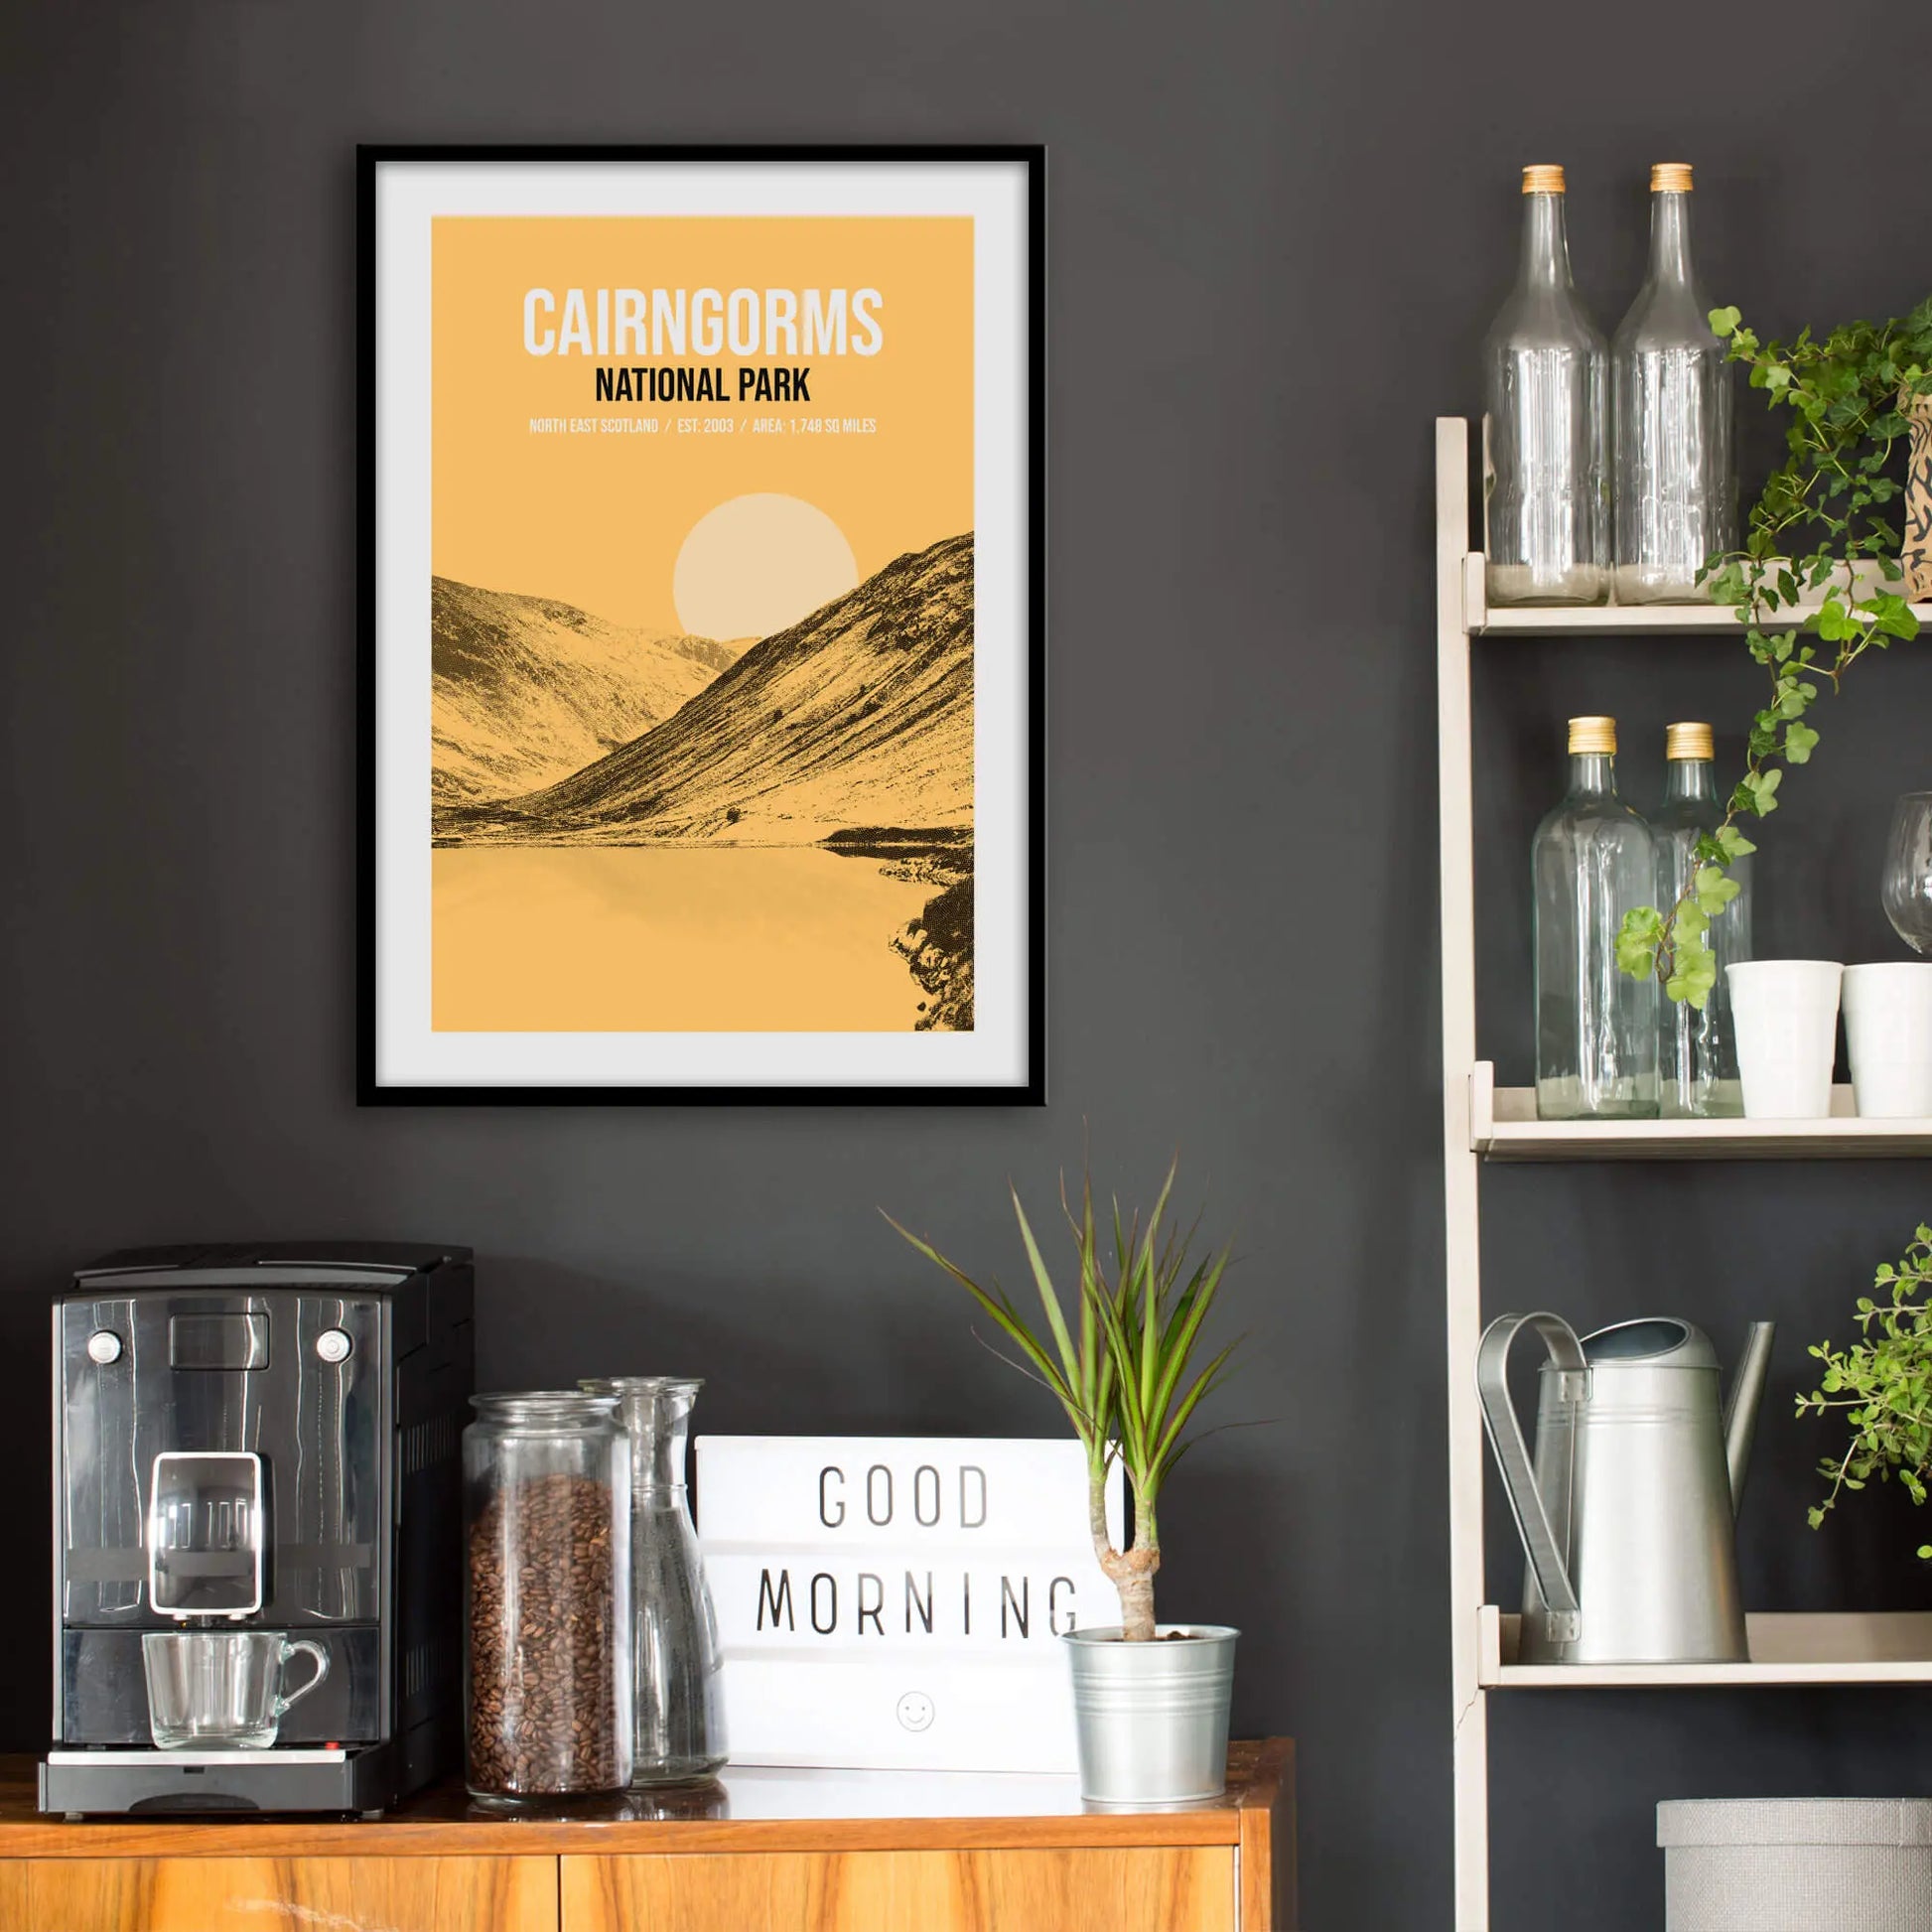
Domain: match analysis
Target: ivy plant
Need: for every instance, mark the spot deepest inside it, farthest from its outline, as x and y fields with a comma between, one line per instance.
x=1849, y=395
x=1884, y=1385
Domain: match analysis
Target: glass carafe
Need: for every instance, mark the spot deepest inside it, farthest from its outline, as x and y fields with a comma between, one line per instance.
x=1676, y=501
x=675, y=1669
x=1595, y=1026
x=1545, y=436
x=1700, y=1045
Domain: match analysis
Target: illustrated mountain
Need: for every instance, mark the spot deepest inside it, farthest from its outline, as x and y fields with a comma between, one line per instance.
x=525, y=690
x=859, y=715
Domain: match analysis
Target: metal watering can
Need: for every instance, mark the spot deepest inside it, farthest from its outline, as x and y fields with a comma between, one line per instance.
x=1627, y=1517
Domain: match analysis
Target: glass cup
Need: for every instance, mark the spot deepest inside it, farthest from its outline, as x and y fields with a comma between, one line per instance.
x=1907, y=884
x=221, y=1690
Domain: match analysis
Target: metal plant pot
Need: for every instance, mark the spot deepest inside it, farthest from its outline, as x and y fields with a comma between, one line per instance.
x=1153, y=1718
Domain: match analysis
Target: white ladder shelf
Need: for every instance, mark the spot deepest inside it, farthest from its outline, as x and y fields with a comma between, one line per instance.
x=1481, y=1122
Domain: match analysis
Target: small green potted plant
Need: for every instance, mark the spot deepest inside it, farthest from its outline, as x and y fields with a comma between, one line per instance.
x=1883, y=1384
x=1127, y=1364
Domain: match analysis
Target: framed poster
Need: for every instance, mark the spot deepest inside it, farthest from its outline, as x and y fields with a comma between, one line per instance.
x=702, y=606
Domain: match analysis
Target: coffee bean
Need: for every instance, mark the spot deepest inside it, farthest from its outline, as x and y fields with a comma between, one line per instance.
x=543, y=1638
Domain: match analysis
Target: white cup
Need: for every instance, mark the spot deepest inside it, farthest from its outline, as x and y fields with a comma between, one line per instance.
x=1888, y=1034
x=1785, y=1012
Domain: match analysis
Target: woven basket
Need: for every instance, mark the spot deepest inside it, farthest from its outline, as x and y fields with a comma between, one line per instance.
x=1917, y=553
x=1797, y=1864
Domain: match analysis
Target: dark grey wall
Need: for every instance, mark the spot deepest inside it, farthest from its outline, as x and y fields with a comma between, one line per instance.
x=1277, y=234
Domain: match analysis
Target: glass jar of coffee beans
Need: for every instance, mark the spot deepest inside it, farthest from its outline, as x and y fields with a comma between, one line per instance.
x=546, y=1525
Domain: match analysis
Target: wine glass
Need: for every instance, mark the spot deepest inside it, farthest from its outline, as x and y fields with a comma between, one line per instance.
x=1907, y=891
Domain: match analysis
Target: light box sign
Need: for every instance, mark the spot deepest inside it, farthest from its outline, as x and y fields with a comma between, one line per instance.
x=897, y=1603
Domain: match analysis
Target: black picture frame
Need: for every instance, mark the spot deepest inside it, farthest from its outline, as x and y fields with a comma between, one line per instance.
x=1028, y=1091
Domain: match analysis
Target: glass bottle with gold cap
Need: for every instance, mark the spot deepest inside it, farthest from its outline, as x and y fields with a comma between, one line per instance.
x=1699, y=1078
x=1595, y=1026
x=1675, y=498
x=1545, y=431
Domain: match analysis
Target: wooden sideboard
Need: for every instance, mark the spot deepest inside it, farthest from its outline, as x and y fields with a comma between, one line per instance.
x=762, y=1851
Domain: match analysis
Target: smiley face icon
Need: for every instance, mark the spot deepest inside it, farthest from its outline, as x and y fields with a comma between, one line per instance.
x=916, y=1711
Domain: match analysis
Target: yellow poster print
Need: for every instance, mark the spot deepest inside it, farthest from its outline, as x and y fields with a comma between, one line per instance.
x=702, y=739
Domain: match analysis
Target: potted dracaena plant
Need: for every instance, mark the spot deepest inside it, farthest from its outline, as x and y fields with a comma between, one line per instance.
x=1127, y=1363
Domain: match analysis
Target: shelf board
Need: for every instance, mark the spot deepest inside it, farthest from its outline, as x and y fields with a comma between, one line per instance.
x=1504, y=1127
x=1485, y=619
x=1869, y=1647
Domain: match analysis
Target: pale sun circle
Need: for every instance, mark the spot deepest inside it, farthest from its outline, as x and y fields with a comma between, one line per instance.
x=756, y=564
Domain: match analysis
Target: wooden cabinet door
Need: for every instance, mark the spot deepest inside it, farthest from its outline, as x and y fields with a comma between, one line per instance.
x=279, y=1895
x=1166, y=1888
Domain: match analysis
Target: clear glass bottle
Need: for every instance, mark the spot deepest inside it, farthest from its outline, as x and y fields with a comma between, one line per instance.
x=1545, y=435
x=678, y=1731
x=1672, y=395
x=546, y=1521
x=1591, y=862
x=1699, y=1079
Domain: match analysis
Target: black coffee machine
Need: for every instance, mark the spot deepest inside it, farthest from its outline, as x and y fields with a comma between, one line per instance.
x=263, y=1439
